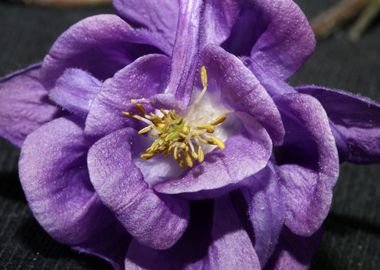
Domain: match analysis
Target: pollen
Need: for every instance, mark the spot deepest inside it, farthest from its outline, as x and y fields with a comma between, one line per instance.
x=176, y=136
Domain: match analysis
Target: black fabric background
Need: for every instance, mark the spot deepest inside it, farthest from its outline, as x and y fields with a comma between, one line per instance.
x=352, y=237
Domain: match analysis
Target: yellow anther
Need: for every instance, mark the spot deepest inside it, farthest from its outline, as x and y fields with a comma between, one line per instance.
x=216, y=141
x=145, y=130
x=209, y=128
x=147, y=156
x=189, y=160
x=140, y=108
x=201, y=156
x=204, y=77
x=219, y=120
x=175, y=154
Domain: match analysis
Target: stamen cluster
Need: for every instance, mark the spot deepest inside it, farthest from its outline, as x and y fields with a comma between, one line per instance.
x=176, y=136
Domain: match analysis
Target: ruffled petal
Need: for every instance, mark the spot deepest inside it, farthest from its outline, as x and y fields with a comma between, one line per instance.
x=157, y=16
x=355, y=122
x=55, y=180
x=143, y=78
x=24, y=105
x=218, y=244
x=155, y=221
x=246, y=153
x=242, y=90
x=275, y=34
x=101, y=45
x=309, y=162
x=294, y=252
x=75, y=90
x=266, y=210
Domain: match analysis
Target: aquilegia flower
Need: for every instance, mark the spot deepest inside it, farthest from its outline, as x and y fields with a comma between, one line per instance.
x=177, y=143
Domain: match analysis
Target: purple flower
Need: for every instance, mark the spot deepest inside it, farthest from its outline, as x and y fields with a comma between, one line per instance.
x=180, y=145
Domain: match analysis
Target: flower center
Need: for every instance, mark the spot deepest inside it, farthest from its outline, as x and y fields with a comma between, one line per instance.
x=176, y=135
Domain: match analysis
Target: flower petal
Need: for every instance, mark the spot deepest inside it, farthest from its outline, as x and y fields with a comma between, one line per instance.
x=266, y=210
x=355, y=120
x=275, y=34
x=246, y=153
x=185, y=52
x=75, y=90
x=294, y=252
x=143, y=78
x=231, y=247
x=218, y=19
x=309, y=162
x=242, y=89
x=55, y=180
x=154, y=221
x=24, y=105
x=159, y=17
x=101, y=45
x=220, y=244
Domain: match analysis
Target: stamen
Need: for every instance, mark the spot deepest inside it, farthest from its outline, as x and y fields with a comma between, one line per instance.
x=174, y=135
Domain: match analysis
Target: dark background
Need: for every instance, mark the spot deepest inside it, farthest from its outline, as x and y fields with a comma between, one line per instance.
x=352, y=238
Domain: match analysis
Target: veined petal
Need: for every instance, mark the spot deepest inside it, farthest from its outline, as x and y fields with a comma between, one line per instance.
x=55, y=180
x=155, y=221
x=24, y=104
x=275, y=34
x=185, y=52
x=158, y=16
x=246, y=153
x=220, y=243
x=355, y=120
x=266, y=210
x=143, y=78
x=309, y=162
x=242, y=90
x=101, y=45
x=75, y=90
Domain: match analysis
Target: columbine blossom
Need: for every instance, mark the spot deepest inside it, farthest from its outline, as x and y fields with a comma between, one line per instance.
x=180, y=144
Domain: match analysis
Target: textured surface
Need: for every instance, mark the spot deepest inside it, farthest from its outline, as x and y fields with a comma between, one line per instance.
x=352, y=238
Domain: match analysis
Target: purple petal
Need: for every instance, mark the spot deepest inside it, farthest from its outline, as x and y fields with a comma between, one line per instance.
x=185, y=53
x=218, y=244
x=355, y=120
x=276, y=34
x=75, y=90
x=101, y=45
x=55, y=180
x=245, y=153
x=273, y=85
x=231, y=247
x=294, y=252
x=218, y=19
x=143, y=78
x=24, y=105
x=152, y=220
x=159, y=17
x=266, y=211
x=242, y=89
x=310, y=163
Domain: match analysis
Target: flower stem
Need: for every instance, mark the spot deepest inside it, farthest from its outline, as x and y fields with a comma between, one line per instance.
x=324, y=24
x=368, y=15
